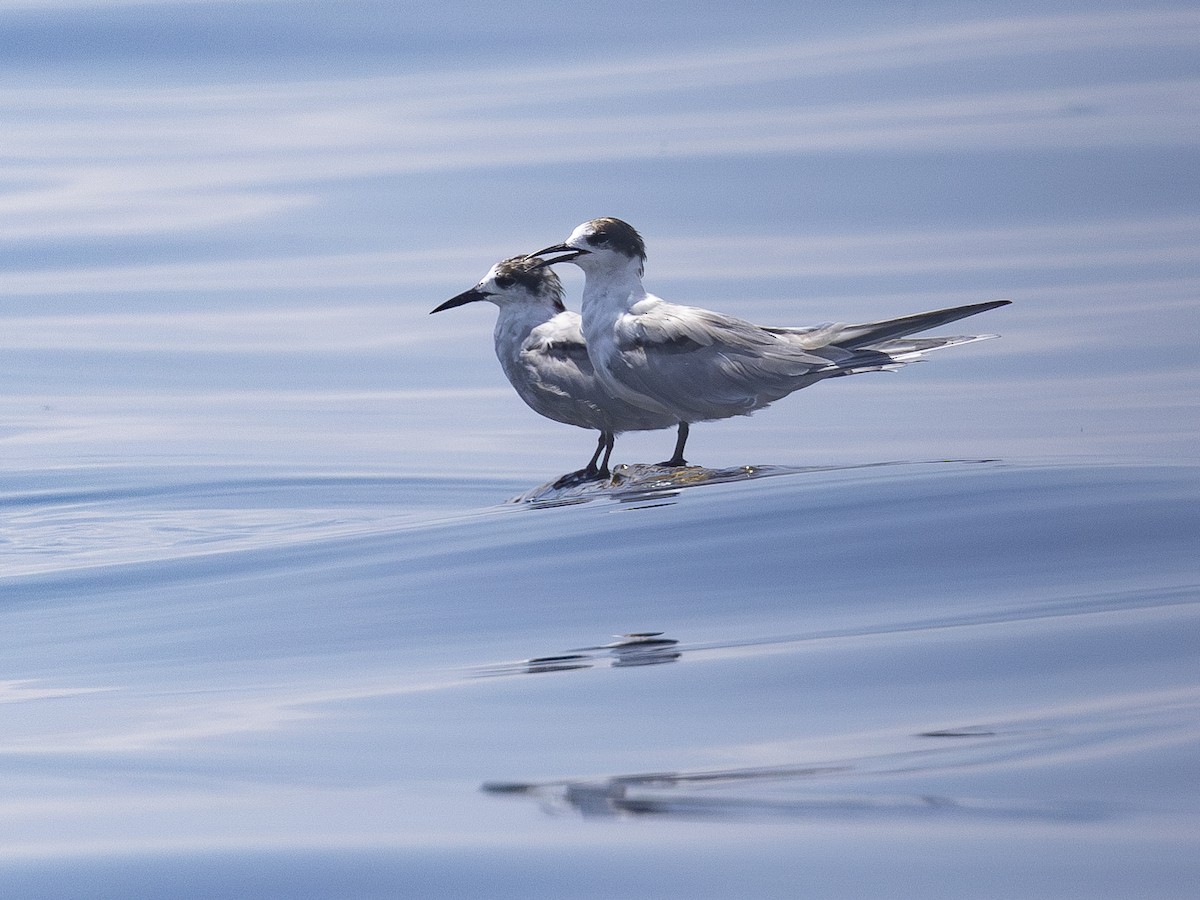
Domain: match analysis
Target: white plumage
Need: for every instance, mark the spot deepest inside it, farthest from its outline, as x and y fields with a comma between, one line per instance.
x=541, y=349
x=691, y=365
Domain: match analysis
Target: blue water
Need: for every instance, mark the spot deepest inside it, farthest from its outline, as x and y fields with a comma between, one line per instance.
x=938, y=677
x=287, y=609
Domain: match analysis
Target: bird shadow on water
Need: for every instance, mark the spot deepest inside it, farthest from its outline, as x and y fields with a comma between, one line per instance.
x=642, y=481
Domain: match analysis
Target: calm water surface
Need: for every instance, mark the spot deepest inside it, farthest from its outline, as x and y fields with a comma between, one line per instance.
x=979, y=676
x=271, y=622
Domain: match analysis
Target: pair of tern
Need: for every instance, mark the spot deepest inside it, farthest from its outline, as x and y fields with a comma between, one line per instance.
x=634, y=362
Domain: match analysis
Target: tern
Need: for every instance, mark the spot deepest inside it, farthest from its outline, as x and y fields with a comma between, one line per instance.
x=541, y=350
x=694, y=365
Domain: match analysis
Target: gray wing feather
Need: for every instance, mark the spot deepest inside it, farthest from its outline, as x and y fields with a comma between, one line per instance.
x=871, y=334
x=705, y=365
x=560, y=383
x=702, y=365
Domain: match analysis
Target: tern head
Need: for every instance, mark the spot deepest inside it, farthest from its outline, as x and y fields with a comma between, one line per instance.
x=600, y=243
x=522, y=279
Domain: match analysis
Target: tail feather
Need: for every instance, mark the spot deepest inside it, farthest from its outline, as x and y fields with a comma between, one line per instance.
x=912, y=349
x=889, y=356
x=872, y=334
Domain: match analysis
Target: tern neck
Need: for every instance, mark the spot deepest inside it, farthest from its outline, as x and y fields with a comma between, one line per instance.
x=517, y=320
x=613, y=289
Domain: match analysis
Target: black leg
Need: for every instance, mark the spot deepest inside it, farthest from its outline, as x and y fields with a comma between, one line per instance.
x=608, y=440
x=677, y=459
x=590, y=472
x=590, y=468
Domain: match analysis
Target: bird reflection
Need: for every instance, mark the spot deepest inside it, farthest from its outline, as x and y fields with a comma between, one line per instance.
x=629, y=794
x=640, y=482
x=563, y=663
x=642, y=485
x=788, y=791
x=639, y=648
x=647, y=648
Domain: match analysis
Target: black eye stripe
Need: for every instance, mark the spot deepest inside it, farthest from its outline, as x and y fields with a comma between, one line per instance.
x=526, y=272
x=614, y=235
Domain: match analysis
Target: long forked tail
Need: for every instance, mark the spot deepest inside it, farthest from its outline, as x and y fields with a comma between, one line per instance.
x=883, y=346
x=875, y=334
x=872, y=334
x=888, y=356
x=912, y=349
